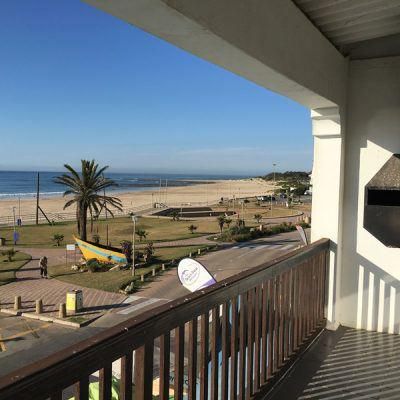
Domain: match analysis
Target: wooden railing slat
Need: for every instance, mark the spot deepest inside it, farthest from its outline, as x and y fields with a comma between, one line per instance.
x=105, y=375
x=179, y=349
x=192, y=359
x=250, y=345
x=204, y=338
x=257, y=337
x=57, y=395
x=242, y=345
x=82, y=389
x=214, y=352
x=264, y=331
x=126, y=376
x=234, y=350
x=144, y=372
x=225, y=350
x=165, y=346
x=271, y=328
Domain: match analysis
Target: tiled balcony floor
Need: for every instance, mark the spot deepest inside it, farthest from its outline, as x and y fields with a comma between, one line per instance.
x=346, y=364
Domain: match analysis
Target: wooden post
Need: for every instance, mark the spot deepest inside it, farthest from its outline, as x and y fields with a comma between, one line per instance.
x=198, y=251
x=62, y=311
x=190, y=254
x=153, y=272
x=142, y=277
x=39, y=306
x=17, y=303
x=163, y=267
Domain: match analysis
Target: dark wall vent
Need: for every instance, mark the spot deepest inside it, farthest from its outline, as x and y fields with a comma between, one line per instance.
x=382, y=203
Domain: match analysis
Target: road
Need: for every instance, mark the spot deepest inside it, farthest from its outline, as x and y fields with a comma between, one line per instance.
x=32, y=340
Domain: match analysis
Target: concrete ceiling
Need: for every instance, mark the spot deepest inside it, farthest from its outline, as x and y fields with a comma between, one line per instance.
x=358, y=28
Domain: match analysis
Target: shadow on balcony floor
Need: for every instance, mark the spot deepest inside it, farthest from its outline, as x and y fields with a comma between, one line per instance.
x=346, y=364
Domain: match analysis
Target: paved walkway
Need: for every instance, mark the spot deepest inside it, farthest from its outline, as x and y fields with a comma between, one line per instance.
x=31, y=287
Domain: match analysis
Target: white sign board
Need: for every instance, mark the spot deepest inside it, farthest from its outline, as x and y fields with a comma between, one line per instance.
x=193, y=275
x=70, y=247
x=303, y=235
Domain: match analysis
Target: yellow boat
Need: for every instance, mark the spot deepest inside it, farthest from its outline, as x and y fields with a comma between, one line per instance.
x=101, y=253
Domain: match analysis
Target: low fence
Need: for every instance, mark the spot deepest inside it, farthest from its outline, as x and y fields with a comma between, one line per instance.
x=29, y=219
x=231, y=340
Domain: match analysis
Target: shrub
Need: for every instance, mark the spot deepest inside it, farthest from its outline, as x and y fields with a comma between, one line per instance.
x=192, y=228
x=10, y=253
x=126, y=247
x=93, y=265
x=58, y=238
x=148, y=252
x=96, y=238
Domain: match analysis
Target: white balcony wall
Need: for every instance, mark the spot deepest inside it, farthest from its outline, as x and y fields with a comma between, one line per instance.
x=370, y=284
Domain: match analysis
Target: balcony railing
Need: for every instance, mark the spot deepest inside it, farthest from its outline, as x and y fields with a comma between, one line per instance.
x=230, y=341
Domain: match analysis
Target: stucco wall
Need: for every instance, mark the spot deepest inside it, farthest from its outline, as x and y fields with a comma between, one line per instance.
x=369, y=288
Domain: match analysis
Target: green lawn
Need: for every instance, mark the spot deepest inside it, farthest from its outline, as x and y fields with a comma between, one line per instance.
x=113, y=280
x=8, y=269
x=158, y=229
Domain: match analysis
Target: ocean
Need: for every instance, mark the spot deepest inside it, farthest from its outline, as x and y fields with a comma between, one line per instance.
x=14, y=184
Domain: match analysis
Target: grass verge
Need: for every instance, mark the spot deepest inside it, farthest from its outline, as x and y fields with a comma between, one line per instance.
x=9, y=269
x=113, y=281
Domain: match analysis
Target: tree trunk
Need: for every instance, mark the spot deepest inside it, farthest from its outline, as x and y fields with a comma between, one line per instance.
x=78, y=222
x=83, y=222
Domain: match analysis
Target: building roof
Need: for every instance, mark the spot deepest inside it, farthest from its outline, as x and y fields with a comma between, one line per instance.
x=388, y=177
x=358, y=28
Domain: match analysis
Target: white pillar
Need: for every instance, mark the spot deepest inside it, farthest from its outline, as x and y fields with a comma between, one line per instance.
x=370, y=284
x=327, y=200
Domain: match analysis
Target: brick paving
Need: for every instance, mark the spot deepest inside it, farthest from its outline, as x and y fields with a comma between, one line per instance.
x=31, y=287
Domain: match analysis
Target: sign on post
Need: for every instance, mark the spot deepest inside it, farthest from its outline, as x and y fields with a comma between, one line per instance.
x=70, y=247
x=302, y=233
x=194, y=275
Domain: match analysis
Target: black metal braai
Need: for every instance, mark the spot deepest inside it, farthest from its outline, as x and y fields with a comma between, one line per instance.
x=382, y=203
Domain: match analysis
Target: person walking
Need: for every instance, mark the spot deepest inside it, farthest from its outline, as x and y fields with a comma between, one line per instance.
x=43, y=267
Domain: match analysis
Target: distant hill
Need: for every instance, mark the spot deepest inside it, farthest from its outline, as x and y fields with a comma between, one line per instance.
x=288, y=176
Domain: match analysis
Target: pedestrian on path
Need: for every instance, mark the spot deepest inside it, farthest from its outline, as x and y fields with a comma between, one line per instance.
x=43, y=267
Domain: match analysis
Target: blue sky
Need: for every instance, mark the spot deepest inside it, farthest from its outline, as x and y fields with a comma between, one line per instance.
x=79, y=83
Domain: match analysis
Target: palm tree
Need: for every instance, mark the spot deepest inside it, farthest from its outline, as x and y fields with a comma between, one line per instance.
x=175, y=215
x=58, y=238
x=228, y=221
x=141, y=233
x=86, y=188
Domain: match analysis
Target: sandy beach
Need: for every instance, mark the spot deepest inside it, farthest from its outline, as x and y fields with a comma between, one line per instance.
x=173, y=196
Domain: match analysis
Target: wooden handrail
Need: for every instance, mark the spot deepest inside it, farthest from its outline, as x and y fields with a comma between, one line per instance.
x=284, y=299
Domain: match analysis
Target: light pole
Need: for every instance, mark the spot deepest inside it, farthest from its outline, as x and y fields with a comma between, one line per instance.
x=15, y=232
x=133, y=244
x=273, y=165
x=14, y=218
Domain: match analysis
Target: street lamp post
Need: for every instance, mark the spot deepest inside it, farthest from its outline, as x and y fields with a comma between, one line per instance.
x=14, y=218
x=133, y=244
x=273, y=165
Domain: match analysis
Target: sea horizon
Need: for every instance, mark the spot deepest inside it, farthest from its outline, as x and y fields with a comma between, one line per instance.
x=22, y=184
